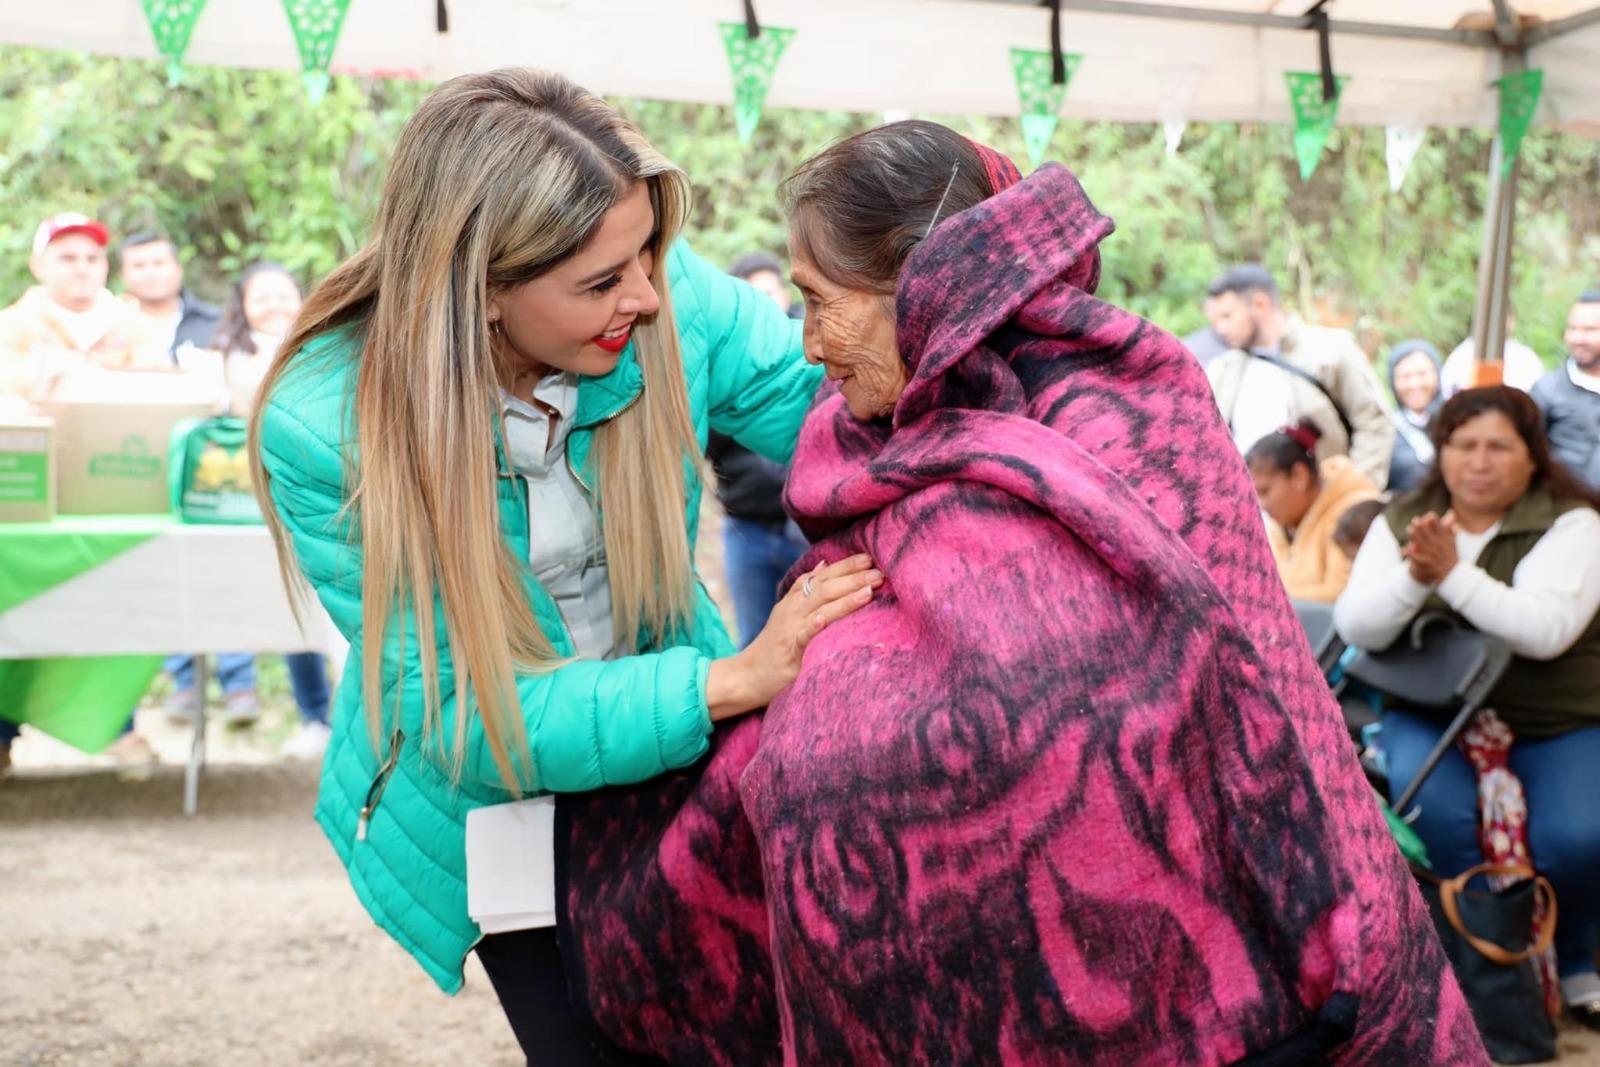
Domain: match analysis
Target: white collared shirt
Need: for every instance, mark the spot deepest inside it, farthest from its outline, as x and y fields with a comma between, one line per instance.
x=565, y=548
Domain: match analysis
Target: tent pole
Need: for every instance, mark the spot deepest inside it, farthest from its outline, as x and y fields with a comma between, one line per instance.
x=1494, y=265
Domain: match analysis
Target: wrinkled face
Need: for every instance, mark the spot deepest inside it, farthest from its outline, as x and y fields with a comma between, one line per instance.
x=1237, y=317
x=1285, y=497
x=271, y=302
x=579, y=316
x=851, y=333
x=73, y=270
x=151, y=272
x=1486, y=465
x=1583, y=336
x=1416, y=382
x=769, y=282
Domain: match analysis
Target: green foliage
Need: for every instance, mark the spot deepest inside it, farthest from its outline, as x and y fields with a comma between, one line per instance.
x=238, y=165
x=235, y=165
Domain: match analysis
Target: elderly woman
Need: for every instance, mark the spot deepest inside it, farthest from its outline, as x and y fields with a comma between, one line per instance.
x=1505, y=540
x=1071, y=790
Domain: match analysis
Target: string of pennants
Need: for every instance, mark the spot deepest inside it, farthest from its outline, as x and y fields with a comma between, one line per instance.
x=1042, y=78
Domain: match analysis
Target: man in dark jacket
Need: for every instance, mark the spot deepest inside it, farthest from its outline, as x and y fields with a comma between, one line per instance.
x=759, y=543
x=1569, y=396
x=152, y=274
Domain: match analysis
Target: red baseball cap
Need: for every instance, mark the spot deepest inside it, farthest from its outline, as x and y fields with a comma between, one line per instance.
x=69, y=222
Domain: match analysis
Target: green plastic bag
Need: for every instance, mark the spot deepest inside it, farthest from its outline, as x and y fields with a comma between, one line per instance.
x=209, y=472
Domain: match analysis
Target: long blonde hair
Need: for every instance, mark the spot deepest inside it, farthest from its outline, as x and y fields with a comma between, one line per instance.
x=495, y=180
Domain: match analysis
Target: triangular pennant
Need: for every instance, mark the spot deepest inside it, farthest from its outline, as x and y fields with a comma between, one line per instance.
x=172, y=24
x=1519, y=100
x=1174, y=128
x=1178, y=86
x=752, y=60
x=1313, y=117
x=316, y=25
x=1041, y=98
x=1401, y=144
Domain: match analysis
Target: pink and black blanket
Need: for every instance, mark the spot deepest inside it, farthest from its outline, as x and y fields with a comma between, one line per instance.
x=1072, y=791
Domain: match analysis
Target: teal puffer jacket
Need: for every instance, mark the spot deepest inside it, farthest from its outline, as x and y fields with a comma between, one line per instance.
x=590, y=724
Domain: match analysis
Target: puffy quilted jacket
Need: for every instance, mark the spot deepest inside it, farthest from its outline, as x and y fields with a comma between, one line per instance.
x=590, y=724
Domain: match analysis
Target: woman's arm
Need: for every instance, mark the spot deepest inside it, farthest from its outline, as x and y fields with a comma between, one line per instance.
x=1553, y=596
x=589, y=724
x=760, y=384
x=1381, y=597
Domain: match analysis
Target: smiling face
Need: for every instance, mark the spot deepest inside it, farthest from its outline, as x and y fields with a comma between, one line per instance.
x=271, y=302
x=851, y=333
x=578, y=316
x=1416, y=382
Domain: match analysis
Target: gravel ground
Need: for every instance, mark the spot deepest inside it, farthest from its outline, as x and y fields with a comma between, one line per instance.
x=135, y=936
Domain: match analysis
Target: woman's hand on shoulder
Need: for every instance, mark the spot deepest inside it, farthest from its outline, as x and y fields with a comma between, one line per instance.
x=750, y=679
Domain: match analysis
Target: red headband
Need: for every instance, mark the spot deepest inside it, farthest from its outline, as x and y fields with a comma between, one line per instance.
x=1300, y=435
x=1003, y=173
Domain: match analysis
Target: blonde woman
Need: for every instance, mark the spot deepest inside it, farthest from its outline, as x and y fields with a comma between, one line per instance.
x=481, y=446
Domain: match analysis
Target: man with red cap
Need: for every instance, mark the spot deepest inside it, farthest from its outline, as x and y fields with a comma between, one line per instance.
x=70, y=318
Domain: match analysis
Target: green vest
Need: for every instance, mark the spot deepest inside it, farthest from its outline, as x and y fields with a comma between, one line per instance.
x=1536, y=698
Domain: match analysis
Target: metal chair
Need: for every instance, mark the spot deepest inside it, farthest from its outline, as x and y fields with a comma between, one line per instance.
x=1437, y=666
x=1326, y=644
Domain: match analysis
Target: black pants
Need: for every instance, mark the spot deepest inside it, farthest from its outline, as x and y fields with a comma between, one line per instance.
x=524, y=966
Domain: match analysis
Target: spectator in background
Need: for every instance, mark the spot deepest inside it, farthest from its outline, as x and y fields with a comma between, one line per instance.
x=1569, y=396
x=1414, y=379
x=70, y=319
x=1502, y=539
x=1352, y=528
x=262, y=307
x=1520, y=366
x=1206, y=344
x=153, y=276
x=759, y=543
x=1278, y=370
x=1304, y=500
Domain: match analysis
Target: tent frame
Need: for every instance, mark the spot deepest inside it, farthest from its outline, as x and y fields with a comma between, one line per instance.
x=1510, y=38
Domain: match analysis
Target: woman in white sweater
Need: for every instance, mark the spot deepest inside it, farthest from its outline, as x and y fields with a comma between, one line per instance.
x=1506, y=541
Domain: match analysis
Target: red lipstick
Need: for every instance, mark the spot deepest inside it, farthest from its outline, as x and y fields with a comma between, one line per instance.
x=614, y=344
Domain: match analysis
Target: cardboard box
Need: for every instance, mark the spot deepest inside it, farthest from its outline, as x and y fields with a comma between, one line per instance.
x=27, y=470
x=113, y=431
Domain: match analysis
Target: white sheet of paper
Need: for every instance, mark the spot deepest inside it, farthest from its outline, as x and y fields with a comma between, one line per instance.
x=511, y=865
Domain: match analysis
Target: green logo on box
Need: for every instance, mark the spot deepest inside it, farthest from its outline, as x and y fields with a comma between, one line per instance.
x=24, y=477
x=135, y=460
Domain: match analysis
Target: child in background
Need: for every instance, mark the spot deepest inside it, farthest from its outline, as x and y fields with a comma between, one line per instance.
x=1353, y=526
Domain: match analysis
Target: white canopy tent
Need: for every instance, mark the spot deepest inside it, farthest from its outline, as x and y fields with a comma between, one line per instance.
x=1144, y=60
x=1409, y=62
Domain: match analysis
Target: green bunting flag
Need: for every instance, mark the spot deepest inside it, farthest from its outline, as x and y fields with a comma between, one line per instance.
x=1313, y=117
x=1041, y=97
x=172, y=24
x=316, y=25
x=752, y=61
x=1519, y=99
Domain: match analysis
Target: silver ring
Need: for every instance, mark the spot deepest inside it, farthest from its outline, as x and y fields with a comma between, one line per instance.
x=805, y=587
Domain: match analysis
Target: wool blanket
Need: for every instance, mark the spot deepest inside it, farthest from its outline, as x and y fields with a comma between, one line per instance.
x=1071, y=790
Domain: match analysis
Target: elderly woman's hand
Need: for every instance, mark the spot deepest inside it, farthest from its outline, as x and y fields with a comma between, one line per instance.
x=752, y=678
x=1432, y=548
